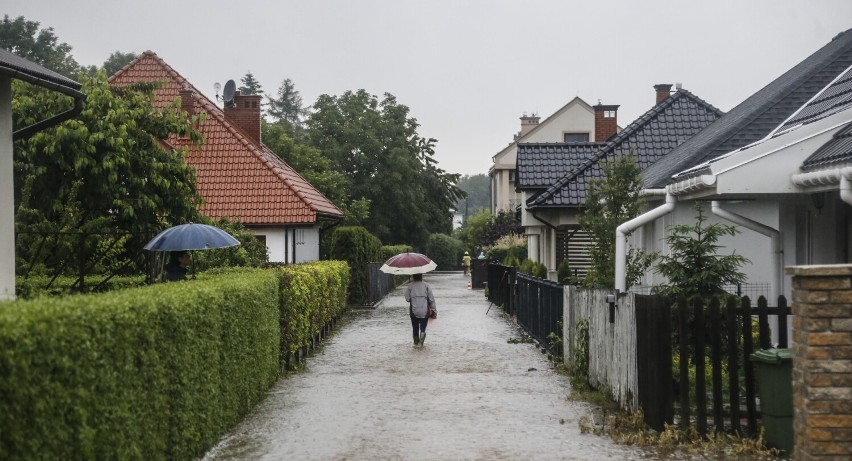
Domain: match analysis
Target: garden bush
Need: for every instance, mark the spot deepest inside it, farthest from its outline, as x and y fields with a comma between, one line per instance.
x=445, y=251
x=357, y=246
x=157, y=372
x=312, y=294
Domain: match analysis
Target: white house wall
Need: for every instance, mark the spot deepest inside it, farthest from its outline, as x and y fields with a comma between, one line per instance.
x=281, y=243
x=748, y=243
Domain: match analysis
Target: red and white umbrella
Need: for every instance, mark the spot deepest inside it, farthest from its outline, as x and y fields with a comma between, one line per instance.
x=408, y=264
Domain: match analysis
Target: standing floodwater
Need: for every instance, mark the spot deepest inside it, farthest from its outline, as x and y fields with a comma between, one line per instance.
x=468, y=393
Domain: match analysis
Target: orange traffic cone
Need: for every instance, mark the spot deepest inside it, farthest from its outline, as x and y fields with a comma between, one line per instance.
x=468, y=285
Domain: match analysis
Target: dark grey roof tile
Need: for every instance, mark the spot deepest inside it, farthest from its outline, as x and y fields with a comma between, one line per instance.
x=760, y=113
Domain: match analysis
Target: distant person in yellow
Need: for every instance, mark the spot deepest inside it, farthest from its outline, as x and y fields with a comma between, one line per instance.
x=466, y=263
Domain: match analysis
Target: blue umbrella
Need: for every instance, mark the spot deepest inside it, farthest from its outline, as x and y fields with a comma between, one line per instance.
x=191, y=237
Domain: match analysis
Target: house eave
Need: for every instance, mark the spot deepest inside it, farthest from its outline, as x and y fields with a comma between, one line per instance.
x=692, y=185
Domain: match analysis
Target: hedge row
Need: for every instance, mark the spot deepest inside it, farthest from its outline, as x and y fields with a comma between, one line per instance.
x=158, y=372
x=312, y=295
x=357, y=246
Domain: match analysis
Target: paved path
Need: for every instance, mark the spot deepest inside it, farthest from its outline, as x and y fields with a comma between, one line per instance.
x=467, y=394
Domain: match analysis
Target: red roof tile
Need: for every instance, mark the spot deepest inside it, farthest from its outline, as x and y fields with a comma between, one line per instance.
x=236, y=177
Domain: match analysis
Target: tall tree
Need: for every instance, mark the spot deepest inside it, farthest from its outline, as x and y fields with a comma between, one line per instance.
x=309, y=162
x=92, y=190
x=478, y=190
x=117, y=60
x=376, y=145
x=41, y=46
x=611, y=201
x=250, y=85
x=286, y=107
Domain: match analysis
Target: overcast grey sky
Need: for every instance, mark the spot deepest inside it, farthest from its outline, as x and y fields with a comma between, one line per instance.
x=467, y=69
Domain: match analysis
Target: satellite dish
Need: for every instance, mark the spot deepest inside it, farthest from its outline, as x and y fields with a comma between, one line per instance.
x=230, y=89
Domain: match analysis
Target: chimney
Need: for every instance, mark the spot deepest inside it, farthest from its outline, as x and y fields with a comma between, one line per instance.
x=528, y=123
x=244, y=113
x=663, y=91
x=606, y=122
x=187, y=103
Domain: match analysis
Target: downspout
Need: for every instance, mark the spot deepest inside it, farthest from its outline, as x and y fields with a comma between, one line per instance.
x=748, y=223
x=846, y=185
x=628, y=227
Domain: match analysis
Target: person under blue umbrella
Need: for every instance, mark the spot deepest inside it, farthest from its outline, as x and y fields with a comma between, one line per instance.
x=177, y=268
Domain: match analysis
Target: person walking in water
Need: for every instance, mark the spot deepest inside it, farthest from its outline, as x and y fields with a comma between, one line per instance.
x=466, y=263
x=420, y=299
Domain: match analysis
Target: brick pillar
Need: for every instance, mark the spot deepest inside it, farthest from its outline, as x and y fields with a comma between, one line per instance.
x=822, y=362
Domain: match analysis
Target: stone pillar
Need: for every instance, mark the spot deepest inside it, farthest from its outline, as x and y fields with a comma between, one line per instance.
x=822, y=362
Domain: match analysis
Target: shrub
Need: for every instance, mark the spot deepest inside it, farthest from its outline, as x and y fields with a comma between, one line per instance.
x=312, y=294
x=357, y=247
x=446, y=251
x=145, y=373
x=388, y=251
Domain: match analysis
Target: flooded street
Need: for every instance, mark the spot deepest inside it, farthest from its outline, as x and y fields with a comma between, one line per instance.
x=369, y=393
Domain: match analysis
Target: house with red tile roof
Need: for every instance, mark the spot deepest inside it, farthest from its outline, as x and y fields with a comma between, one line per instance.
x=237, y=176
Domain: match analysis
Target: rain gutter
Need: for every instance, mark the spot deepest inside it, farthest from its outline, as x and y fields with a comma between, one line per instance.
x=840, y=176
x=79, y=99
x=624, y=229
x=748, y=223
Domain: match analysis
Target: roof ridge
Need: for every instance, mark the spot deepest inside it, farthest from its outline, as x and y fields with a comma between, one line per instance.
x=257, y=149
x=621, y=136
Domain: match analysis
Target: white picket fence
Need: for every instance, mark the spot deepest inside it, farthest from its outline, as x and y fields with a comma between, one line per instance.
x=612, y=346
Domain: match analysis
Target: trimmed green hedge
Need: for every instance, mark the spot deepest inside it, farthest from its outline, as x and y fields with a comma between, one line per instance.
x=357, y=246
x=312, y=294
x=158, y=372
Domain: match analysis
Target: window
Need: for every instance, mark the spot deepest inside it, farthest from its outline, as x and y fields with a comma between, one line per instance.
x=511, y=176
x=609, y=114
x=576, y=137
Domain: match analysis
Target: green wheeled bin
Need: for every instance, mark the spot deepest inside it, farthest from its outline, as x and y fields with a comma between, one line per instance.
x=774, y=371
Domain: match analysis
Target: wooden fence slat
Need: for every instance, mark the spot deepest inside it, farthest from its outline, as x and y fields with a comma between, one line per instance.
x=716, y=358
x=683, y=320
x=700, y=376
x=748, y=348
x=764, y=337
x=782, y=321
x=733, y=364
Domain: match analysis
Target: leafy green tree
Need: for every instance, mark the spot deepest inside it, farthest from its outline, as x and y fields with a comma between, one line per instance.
x=694, y=267
x=478, y=190
x=376, y=145
x=316, y=169
x=250, y=85
x=41, y=46
x=98, y=185
x=609, y=202
x=117, y=60
x=286, y=108
x=473, y=231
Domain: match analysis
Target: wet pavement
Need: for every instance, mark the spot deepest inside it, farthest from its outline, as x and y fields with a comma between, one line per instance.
x=467, y=394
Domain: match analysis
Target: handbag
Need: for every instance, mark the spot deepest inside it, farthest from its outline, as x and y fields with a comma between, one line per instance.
x=431, y=313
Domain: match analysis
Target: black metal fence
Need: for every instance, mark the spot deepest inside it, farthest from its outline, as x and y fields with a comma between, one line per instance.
x=379, y=284
x=539, y=309
x=501, y=286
